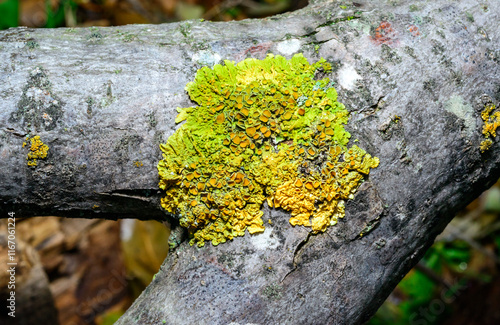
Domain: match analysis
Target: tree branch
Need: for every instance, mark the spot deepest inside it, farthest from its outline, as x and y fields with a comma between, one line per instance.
x=414, y=77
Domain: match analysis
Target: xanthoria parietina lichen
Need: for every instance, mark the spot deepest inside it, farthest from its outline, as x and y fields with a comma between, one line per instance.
x=491, y=118
x=38, y=150
x=262, y=130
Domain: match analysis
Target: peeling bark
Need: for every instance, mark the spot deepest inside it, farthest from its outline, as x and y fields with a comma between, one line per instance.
x=414, y=77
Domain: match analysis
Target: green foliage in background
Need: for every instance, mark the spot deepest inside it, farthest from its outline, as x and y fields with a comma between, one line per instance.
x=110, y=318
x=417, y=292
x=54, y=17
x=63, y=13
x=460, y=259
x=58, y=17
x=9, y=13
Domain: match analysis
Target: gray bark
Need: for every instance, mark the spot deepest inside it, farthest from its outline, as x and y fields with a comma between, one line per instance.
x=112, y=95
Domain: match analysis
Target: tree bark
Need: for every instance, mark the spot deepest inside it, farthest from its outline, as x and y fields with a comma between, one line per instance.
x=415, y=77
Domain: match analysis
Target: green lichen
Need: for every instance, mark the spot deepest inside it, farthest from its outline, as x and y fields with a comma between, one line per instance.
x=90, y=103
x=414, y=8
x=369, y=227
x=390, y=55
x=273, y=291
x=39, y=107
x=32, y=44
x=151, y=119
x=95, y=35
x=464, y=111
x=469, y=16
x=128, y=37
x=262, y=130
x=410, y=51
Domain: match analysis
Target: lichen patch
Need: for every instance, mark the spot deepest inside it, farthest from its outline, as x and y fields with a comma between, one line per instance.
x=463, y=111
x=39, y=108
x=263, y=130
x=206, y=58
x=491, y=118
x=37, y=150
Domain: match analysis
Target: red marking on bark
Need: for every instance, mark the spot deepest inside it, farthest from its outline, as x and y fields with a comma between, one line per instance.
x=385, y=34
x=212, y=260
x=258, y=51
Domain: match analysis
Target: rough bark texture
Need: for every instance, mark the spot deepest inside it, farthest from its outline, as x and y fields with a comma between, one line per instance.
x=414, y=75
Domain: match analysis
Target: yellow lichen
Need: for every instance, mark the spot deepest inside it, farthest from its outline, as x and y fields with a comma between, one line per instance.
x=491, y=119
x=263, y=130
x=38, y=150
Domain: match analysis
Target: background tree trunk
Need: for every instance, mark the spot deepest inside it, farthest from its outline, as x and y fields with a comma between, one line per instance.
x=415, y=77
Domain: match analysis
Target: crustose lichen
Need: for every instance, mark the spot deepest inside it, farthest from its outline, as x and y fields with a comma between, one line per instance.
x=262, y=130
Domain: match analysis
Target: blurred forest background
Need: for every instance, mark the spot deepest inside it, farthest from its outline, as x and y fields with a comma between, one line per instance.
x=82, y=13
x=96, y=268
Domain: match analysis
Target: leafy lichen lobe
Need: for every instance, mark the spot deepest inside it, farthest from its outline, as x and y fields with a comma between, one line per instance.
x=38, y=150
x=262, y=130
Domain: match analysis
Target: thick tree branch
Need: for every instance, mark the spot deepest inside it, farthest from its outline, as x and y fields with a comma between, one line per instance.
x=415, y=78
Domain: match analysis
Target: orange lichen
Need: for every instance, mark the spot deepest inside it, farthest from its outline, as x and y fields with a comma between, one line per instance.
x=38, y=150
x=385, y=34
x=491, y=118
x=413, y=30
x=263, y=131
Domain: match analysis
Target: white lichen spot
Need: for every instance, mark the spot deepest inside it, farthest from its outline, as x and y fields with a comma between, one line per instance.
x=264, y=240
x=463, y=111
x=39, y=95
x=206, y=57
x=348, y=77
x=289, y=47
x=35, y=72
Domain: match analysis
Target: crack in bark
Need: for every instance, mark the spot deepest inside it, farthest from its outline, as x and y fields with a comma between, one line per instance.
x=125, y=196
x=296, y=252
x=318, y=42
x=373, y=108
x=138, y=194
x=338, y=20
x=327, y=23
x=16, y=133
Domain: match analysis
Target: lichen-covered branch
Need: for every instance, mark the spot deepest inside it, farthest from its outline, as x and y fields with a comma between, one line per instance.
x=262, y=130
x=421, y=83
